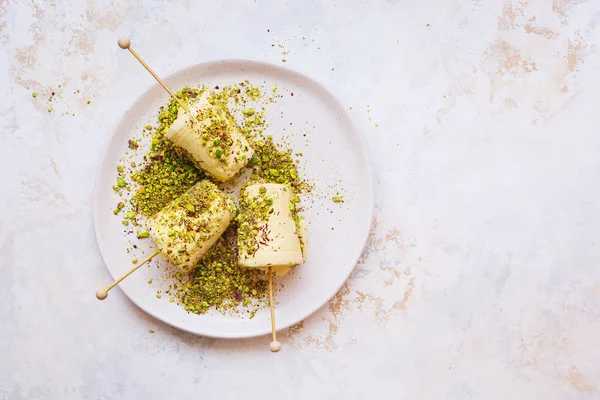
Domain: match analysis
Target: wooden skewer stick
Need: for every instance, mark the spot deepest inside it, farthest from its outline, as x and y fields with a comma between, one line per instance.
x=102, y=294
x=125, y=43
x=275, y=346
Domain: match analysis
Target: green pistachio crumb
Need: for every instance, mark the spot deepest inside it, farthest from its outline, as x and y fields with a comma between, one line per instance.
x=143, y=234
x=120, y=206
x=337, y=199
x=134, y=261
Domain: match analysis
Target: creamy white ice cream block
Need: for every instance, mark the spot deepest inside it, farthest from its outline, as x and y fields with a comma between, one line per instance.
x=188, y=226
x=211, y=138
x=269, y=232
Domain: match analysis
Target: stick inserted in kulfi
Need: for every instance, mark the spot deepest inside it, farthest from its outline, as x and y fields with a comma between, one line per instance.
x=188, y=226
x=269, y=231
x=209, y=135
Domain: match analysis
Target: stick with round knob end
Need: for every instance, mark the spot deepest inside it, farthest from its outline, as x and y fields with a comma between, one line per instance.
x=275, y=346
x=125, y=43
x=102, y=294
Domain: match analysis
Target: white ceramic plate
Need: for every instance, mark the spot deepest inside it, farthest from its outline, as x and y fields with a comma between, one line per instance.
x=335, y=159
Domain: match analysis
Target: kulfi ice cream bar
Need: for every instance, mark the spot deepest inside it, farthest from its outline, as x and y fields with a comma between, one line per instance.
x=188, y=226
x=270, y=233
x=211, y=138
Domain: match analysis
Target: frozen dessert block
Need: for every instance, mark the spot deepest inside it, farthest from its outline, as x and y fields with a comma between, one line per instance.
x=270, y=233
x=211, y=138
x=188, y=226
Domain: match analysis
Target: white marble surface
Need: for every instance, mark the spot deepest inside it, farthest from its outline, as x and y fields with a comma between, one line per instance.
x=481, y=278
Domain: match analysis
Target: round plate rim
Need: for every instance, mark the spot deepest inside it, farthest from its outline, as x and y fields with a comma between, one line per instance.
x=255, y=63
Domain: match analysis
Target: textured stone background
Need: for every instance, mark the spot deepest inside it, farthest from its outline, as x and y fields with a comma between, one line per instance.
x=481, y=276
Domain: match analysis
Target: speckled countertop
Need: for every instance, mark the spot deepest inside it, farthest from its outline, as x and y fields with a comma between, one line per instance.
x=480, y=279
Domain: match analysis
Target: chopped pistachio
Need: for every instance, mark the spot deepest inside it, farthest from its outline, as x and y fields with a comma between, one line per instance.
x=120, y=206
